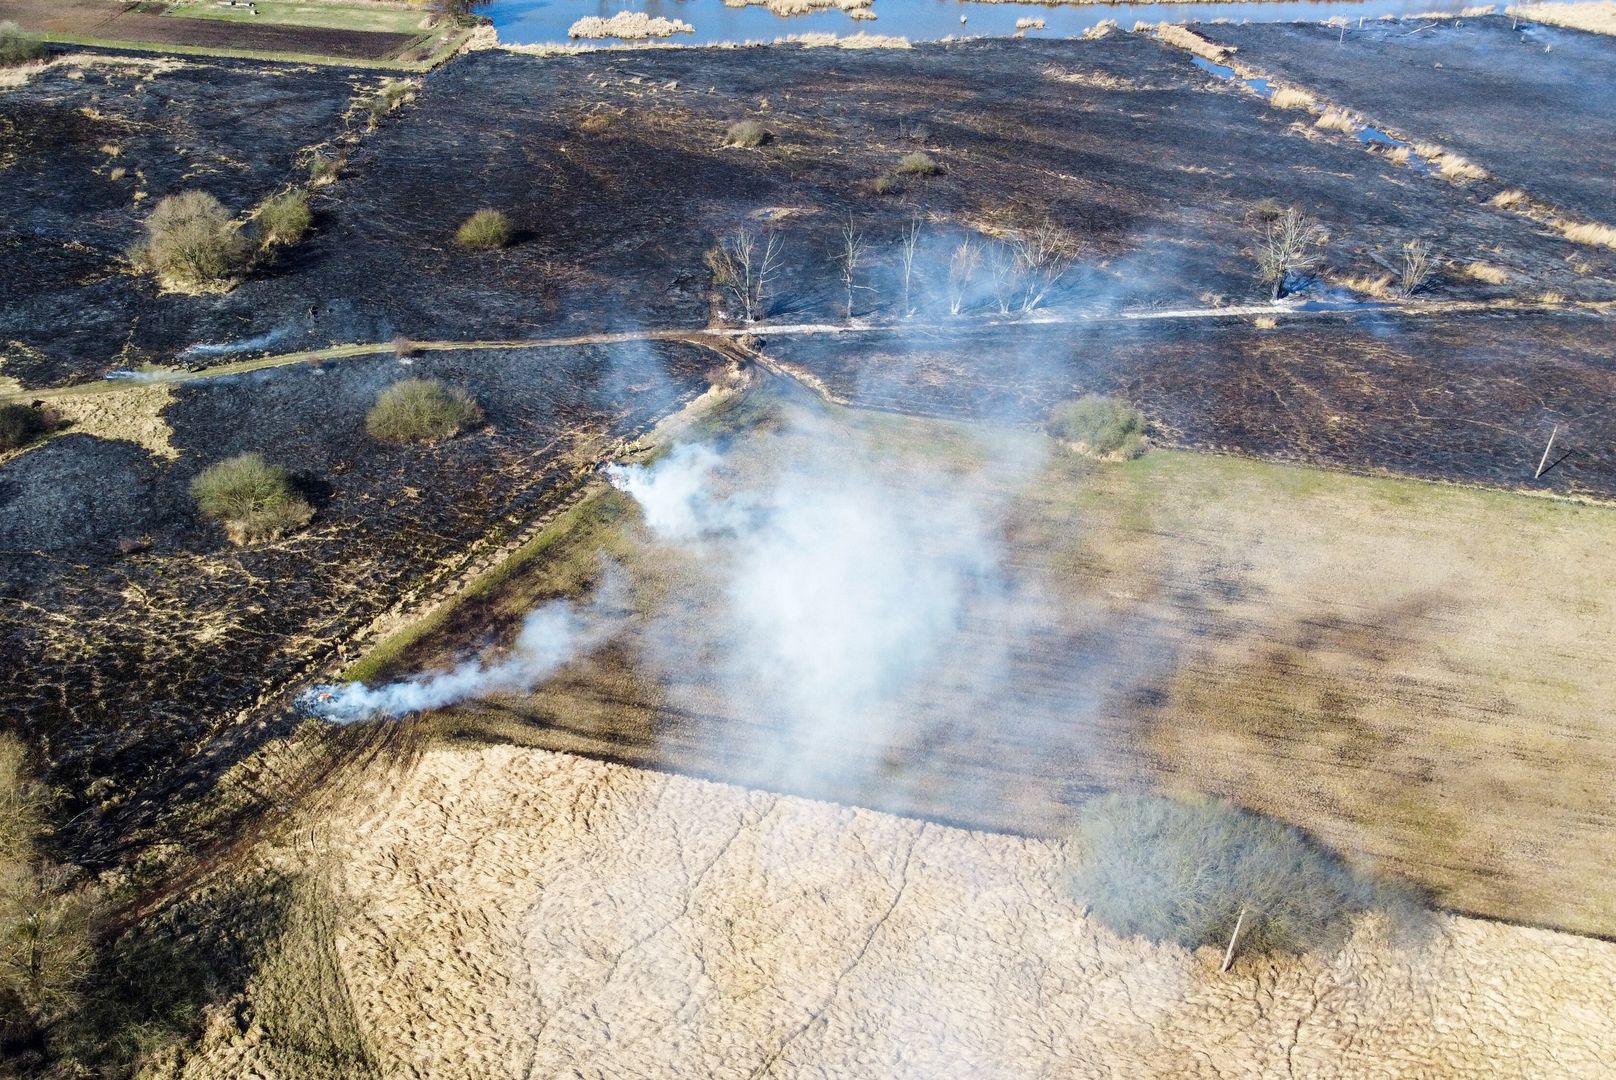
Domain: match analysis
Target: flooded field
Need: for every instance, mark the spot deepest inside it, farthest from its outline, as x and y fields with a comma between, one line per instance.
x=543, y=22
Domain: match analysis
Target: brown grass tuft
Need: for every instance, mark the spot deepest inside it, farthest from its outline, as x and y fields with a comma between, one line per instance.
x=1333, y=119
x=1509, y=200
x=1588, y=232
x=1289, y=97
x=1485, y=272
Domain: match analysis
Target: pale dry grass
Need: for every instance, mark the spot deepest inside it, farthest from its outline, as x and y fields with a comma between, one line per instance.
x=1184, y=38
x=1027, y=23
x=801, y=7
x=1098, y=30
x=1265, y=322
x=1449, y=164
x=1381, y=287
x=134, y=414
x=1398, y=155
x=1289, y=97
x=1099, y=80
x=1485, y=272
x=1597, y=17
x=1509, y=200
x=1333, y=119
x=860, y=40
x=628, y=26
x=1588, y=232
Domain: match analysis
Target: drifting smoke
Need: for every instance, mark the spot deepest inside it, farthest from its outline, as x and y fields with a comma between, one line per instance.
x=551, y=635
x=229, y=348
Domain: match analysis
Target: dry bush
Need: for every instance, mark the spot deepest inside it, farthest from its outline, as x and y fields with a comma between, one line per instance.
x=486, y=230
x=1416, y=269
x=1589, y=233
x=886, y=184
x=1485, y=272
x=1265, y=322
x=595, y=124
x=918, y=164
x=745, y=267
x=1336, y=120
x=422, y=410
x=253, y=499
x=746, y=134
x=1286, y=245
x=1183, y=872
x=1508, y=200
x=962, y=266
x=284, y=219
x=1102, y=427
x=323, y=169
x=192, y=241
x=1289, y=97
x=20, y=425
x=17, y=47
x=403, y=347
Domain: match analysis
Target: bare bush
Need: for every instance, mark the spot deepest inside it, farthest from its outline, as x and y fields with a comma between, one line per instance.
x=1416, y=269
x=1286, y=246
x=1183, y=872
x=192, y=241
x=908, y=247
x=422, y=410
x=962, y=266
x=745, y=267
x=849, y=256
x=253, y=499
x=1045, y=253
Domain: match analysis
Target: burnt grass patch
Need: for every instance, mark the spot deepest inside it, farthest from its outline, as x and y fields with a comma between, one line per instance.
x=1533, y=105
x=1367, y=394
x=133, y=673
x=1153, y=166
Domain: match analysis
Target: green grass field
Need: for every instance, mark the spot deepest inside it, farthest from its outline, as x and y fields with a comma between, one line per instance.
x=327, y=16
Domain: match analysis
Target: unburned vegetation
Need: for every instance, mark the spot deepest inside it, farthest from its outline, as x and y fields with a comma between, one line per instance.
x=251, y=498
x=421, y=410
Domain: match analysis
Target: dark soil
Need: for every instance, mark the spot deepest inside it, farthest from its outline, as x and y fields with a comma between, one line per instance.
x=127, y=22
x=126, y=667
x=1364, y=392
x=1533, y=105
x=1157, y=172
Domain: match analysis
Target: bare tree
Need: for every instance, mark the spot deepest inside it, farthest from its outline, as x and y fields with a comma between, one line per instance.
x=1045, y=254
x=1416, y=268
x=907, y=248
x=745, y=267
x=1004, y=273
x=848, y=259
x=1286, y=246
x=962, y=266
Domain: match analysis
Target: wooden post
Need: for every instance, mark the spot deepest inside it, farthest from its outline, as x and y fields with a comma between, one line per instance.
x=1544, y=460
x=1234, y=939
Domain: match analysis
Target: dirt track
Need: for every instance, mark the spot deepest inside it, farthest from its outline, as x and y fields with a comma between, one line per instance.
x=517, y=913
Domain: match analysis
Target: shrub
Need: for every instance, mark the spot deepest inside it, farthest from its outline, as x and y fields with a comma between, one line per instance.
x=284, y=219
x=20, y=425
x=1101, y=426
x=595, y=124
x=918, y=164
x=192, y=240
x=253, y=499
x=1182, y=872
x=748, y=134
x=17, y=47
x=486, y=230
x=1286, y=247
x=885, y=184
x=421, y=410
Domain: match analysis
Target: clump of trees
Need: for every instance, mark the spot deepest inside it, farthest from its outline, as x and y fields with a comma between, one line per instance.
x=253, y=499
x=1102, y=427
x=192, y=241
x=1189, y=873
x=486, y=230
x=17, y=47
x=47, y=915
x=744, y=266
x=747, y=134
x=21, y=425
x=422, y=411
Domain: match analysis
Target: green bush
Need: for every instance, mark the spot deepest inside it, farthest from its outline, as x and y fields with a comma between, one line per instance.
x=17, y=47
x=748, y=134
x=885, y=184
x=421, y=410
x=918, y=164
x=1102, y=426
x=284, y=219
x=20, y=425
x=253, y=499
x=486, y=230
x=1182, y=872
x=191, y=240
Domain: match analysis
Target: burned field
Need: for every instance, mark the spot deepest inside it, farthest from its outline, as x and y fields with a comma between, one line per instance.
x=1531, y=104
x=139, y=635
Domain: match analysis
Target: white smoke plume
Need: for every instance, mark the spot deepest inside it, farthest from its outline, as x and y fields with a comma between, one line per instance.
x=551, y=635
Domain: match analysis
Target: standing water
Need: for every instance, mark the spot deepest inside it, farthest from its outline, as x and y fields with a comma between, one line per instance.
x=545, y=22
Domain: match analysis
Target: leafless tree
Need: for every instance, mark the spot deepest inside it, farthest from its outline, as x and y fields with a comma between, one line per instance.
x=962, y=266
x=1045, y=253
x=1416, y=268
x=849, y=256
x=1286, y=245
x=746, y=266
x=1004, y=272
x=907, y=248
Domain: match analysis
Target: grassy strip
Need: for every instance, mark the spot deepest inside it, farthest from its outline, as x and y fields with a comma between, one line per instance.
x=255, y=54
